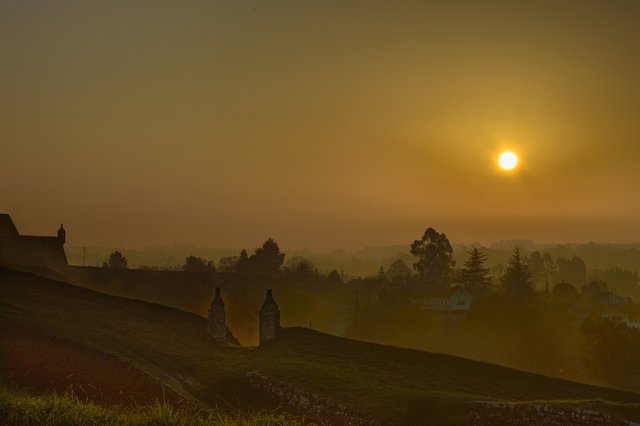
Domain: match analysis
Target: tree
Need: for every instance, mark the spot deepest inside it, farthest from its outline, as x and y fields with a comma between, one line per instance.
x=398, y=272
x=299, y=269
x=267, y=259
x=564, y=295
x=543, y=268
x=620, y=280
x=517, y=280
x=334, y=277
x=243, y=264
x=474, y=275
x=381, y=274
x=594, y=294
x=197, y=264
x=613, y=351
x=572, y=270
x=228, y=264
x=435, y=257
x=117, y=261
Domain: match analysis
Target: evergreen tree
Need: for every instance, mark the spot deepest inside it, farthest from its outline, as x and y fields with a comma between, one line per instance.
x=381, y=274
x=243, y=265
x=474, y=275
x=517, y=279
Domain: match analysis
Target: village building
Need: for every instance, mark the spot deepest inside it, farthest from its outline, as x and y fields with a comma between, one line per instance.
x=455, y=299
x=30, y=251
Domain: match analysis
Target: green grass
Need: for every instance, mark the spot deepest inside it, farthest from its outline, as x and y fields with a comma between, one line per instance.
x=18, y=408
x=396, y=385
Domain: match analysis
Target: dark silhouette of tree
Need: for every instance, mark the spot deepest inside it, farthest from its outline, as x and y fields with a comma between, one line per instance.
x=612, y=351
x=516, y=280
x=594, y=294
x=243, y=265
x=117, y=261
x=564, y=295
x=398, y=272
x=572, y=270
x=228, y=264
x=334, y=277
x=620, y=280
x=474, y=276
x=435, y=257
x=299, y=269
x=381, y=274
x=543, y=268
x=197, y=264
x=267, y=259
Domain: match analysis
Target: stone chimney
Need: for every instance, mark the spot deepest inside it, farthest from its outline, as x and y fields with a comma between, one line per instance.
x=217, y=325
x=269, y=319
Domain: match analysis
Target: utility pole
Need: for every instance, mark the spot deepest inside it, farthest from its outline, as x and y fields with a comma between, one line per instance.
x=84, y=256
x=355, y=308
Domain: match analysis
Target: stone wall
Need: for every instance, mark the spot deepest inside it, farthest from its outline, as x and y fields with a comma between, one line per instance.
x=310, y=405
x=497, y=414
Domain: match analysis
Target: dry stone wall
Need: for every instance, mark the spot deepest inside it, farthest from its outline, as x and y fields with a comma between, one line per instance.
x=312, y=406
x=498, y=414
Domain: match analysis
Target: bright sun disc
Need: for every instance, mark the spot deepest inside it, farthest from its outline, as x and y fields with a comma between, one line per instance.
x=508, y=160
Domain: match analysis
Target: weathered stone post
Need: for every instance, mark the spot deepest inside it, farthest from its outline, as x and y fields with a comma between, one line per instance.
x=269, y=318
x=217, y=325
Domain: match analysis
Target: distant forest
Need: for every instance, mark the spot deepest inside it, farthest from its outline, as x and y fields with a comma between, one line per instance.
x=366, y=262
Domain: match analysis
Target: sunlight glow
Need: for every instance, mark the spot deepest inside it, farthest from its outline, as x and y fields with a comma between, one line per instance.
x=508, y=160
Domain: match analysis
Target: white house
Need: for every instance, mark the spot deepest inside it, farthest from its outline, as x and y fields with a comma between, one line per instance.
x=457, y=299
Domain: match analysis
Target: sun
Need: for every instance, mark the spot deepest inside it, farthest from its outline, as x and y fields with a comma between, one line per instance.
x=508, y=160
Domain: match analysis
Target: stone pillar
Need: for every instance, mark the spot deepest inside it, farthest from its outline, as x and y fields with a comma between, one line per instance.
x=269, y=319
x=62, y=235
x=217, y=325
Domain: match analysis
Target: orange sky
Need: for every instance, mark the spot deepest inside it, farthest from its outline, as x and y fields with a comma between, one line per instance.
x=321, y=124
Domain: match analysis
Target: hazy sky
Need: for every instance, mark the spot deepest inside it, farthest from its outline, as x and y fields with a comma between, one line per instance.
x=321, y=124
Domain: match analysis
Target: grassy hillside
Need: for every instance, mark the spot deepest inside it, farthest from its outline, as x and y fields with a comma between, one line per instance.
x=193, y=292
x=19, y=408
x=397, y=385
x=40, y=362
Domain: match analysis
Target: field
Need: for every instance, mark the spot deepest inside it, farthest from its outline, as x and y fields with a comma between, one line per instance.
x=396, y=385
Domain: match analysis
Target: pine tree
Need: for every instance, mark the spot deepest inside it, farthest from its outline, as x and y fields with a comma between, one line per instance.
x=517, y=279
x=474, y=275
x=381, y=274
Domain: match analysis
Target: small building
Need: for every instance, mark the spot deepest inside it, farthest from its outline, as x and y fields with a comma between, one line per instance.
x=269, y=318
x=29, y=251
x=623, y=318
x=460, y=299
x=455, y=299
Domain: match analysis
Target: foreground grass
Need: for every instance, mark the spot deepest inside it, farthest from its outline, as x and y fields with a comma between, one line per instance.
x=17, y=408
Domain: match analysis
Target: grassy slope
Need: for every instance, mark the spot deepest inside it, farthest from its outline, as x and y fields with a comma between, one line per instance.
x=399, y=385
x=18, y=408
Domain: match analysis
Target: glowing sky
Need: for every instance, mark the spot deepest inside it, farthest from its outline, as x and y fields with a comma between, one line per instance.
x=321, y=124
